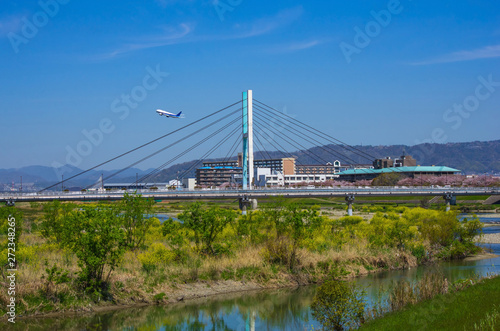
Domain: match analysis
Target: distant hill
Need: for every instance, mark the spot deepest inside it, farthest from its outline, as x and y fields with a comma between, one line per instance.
x=476, y=157
x=42, y=176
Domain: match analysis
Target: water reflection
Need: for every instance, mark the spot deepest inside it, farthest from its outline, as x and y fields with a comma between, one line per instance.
x=284, y=309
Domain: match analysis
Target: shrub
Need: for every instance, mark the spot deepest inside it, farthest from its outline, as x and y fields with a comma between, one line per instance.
x=156, y=255
x=338, y=305
x=136, y=218
x=94, y=235
x=207, y=226
x=52, y=223
x=7, y=216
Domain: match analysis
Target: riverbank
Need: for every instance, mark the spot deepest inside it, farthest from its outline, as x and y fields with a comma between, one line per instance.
x=490, y=238
x=474, y=308
x=135, y=290
x=280, y=246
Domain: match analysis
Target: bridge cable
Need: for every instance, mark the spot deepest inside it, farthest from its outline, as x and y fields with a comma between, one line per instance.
x=340, y=143
x=277, y=149
x=141, y=146
x=304, y=149
x=233, y=148
x=306, y=137
x=333, y=152
x=189, y=149
x=220, y=143
x=263, y=147
x=370, y=157
x=168, y=146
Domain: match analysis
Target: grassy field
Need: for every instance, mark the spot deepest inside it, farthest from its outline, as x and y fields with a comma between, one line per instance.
x=475, y=308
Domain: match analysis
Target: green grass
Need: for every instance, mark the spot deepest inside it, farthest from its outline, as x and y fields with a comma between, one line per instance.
x=472, y=197
x=453, y=311
x=390, y=198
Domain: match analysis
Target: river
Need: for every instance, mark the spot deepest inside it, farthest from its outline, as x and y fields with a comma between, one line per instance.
x=284, y=309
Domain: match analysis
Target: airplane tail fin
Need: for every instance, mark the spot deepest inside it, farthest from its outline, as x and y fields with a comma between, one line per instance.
x=179, y=114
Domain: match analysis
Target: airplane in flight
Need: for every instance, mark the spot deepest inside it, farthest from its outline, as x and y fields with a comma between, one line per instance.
x=167, y=114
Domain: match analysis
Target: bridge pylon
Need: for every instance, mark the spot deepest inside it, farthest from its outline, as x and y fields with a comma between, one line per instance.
x=246, y=202
x=349, y=198
x=450, y=200
x=247, y=127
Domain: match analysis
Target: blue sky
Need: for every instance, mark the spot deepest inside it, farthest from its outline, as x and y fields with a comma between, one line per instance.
x=418, y=71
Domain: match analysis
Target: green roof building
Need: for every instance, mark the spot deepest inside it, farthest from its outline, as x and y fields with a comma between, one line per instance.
x=358, y=174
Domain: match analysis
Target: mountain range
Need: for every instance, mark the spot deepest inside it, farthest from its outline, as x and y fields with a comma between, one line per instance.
x=478, y=157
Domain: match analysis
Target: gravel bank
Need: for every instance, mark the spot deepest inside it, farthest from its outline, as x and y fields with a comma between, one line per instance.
x=490, y=238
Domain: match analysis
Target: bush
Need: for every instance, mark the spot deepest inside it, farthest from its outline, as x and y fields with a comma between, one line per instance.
x=8, y=216
x=207, y=226
x=95, y=236
x=338, y=305
x=156, y=255
x=136, y=218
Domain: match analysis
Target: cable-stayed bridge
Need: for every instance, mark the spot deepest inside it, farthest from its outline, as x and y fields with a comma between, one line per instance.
x=249, y=126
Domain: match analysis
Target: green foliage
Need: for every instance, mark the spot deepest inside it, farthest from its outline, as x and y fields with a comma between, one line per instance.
x=207, y=226
x=52, y=222
x=156, y=256
x=95, y=237
x=136, y=218
x=54, y=276
x=446, y=311
x=338, y=305
x=388, y=179
x=177, y=238
x=291, y=226
x=7, y=216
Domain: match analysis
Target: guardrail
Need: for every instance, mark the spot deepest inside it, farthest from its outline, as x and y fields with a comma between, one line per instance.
x=289, y=192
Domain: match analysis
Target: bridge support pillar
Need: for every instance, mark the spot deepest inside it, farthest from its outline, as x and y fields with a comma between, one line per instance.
x=246, y=203
x=450, y=200
x=349, y=199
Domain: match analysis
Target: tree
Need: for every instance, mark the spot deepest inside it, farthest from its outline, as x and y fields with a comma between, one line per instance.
x=291, y=224
x=207, y=225
x=135, y=218
x=95, y=236
x=388, y=179
x=54, y=212
x=338, y=305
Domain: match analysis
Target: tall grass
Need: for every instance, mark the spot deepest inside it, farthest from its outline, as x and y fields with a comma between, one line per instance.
x=404, y=293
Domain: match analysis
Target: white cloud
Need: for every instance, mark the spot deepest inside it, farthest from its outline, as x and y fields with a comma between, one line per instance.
x=487, y=52
x=183, y=33
x=266, y=25
x=170, y=36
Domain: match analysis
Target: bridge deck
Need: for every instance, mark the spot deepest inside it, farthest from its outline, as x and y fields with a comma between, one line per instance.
x=251, y=194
